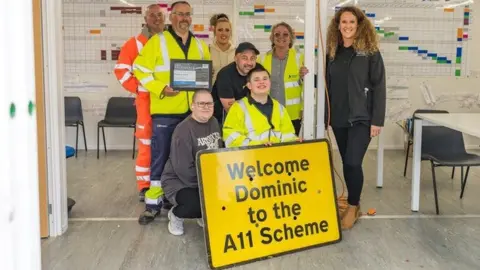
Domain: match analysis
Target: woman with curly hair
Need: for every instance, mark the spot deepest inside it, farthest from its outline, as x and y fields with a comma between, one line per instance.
x=355, y=79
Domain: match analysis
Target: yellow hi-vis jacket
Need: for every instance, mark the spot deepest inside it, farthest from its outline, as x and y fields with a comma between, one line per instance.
x=246, y=125
x=152, y=69
x=291, y=80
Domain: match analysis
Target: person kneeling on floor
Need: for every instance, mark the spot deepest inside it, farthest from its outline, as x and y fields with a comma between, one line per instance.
x=258, y=118
x=199, y=131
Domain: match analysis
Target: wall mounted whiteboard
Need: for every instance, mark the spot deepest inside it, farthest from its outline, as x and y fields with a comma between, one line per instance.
x=422, y=42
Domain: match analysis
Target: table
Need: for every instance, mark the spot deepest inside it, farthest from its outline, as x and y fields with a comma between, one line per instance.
x=464, y=122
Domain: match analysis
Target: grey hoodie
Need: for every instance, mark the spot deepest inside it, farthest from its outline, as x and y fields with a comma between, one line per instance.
x=188, y=138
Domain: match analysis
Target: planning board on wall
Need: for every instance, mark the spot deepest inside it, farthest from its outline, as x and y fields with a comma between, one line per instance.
x=418, y=38
x=421, y=37
x=95, y=30
x=256, y=19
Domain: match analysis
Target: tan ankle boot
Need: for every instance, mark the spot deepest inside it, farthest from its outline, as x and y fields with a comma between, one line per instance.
x=342, y=206
x=342, y=211
x=350, y=217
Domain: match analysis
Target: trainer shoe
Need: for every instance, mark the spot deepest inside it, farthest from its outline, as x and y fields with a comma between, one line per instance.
x=175, y=225
x=148, y=216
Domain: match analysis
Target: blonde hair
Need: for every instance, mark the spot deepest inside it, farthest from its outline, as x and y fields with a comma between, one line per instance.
x=290, y=31
x=216, y=18
x=365, y=39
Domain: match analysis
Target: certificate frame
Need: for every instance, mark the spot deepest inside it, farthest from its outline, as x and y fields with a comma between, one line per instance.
x=184, y=74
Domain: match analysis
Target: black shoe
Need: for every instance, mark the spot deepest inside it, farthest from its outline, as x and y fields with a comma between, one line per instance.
x=141, y=194
x=148, y=216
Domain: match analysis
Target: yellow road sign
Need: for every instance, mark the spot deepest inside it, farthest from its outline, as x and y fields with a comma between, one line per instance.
x=261, y=202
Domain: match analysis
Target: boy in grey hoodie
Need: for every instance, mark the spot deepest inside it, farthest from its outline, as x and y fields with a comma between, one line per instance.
x=197, y=132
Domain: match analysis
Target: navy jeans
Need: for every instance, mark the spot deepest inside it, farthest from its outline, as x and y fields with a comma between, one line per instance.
x=162, y=130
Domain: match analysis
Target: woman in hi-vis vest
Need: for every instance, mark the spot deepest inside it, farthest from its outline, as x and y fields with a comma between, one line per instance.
x=287, y=69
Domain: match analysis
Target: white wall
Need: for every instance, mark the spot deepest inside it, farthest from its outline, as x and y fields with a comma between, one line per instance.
x=19, y=208
x=94, y=103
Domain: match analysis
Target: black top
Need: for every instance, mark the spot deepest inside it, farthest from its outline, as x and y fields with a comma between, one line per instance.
x=339, y=108
x=266, y=109
x=180, y=41
x=229, y=84
x=363, y=99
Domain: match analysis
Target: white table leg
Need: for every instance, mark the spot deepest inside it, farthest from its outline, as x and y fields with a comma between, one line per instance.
x=380, y=150
x=416, y=164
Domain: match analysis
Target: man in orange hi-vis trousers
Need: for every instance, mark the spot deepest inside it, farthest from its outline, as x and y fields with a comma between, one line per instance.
x=154, y=24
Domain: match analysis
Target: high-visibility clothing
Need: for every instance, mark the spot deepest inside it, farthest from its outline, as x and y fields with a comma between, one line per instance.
x=152, y=68
x=291, y=80
x=124, y=73
x=246, y=125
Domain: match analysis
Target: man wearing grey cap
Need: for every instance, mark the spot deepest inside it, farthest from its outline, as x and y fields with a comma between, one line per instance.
x=232, y=79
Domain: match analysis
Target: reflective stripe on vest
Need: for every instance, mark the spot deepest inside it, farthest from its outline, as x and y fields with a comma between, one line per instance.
x=166, y=58
x=125, y=77
x=142, y=89
x=142, y=169
x=123, y=66
x=297, y=58
x=139, y=45
x=251, y=131
x=293, y=101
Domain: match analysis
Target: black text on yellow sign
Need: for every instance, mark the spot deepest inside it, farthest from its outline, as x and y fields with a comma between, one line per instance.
x=266, y=201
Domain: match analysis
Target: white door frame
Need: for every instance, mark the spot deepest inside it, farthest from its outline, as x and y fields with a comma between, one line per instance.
x=55, y=120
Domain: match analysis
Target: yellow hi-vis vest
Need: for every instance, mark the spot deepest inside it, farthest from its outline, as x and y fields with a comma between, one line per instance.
x=245, y=125
x=152, y=69
x=291, y=80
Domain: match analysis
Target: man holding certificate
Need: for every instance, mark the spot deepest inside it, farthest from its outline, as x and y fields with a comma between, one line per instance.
x=171, y=66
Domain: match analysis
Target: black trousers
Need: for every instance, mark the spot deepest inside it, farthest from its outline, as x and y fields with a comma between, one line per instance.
x=352, y=144
x=188, y=203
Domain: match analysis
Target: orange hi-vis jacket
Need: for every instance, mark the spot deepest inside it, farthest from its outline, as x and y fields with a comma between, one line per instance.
x=124, y=73
x=124, y=67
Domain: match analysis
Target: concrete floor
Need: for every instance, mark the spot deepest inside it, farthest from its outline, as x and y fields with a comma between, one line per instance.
x=104, y=233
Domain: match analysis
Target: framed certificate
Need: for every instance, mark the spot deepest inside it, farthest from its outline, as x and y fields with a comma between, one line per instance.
x=190, y=75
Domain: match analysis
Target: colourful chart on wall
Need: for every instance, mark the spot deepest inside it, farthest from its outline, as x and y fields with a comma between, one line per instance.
x=421, y=38
x=418, y=38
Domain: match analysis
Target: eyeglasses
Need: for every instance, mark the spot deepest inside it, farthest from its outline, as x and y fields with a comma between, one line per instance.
x=186, y=15
x=285, y=35
x=204, y=104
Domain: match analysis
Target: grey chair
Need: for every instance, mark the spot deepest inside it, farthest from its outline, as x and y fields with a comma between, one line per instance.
x=445, y=147
x=120, y=113
x=410, y=138
x=74, y=118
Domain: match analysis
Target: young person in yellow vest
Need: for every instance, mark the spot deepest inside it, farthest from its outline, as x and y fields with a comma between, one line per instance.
x=257, y=119
x=286, y=67
x=167, y=107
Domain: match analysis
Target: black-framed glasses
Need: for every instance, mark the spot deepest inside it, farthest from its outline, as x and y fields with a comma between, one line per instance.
x=204, y=104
